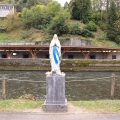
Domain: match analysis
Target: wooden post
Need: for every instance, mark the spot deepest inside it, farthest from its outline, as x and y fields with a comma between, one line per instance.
x=3, y=88
x=113, y=86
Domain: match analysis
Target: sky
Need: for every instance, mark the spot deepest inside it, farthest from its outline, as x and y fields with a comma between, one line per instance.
x=62, y=2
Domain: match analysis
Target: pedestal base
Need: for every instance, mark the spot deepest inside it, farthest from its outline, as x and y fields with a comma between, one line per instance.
x=55, y=107
x=55, y=94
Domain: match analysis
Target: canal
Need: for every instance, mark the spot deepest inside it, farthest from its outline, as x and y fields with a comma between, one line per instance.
x=79, y=85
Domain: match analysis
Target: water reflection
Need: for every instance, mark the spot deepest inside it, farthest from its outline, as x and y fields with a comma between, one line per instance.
x=77, y=90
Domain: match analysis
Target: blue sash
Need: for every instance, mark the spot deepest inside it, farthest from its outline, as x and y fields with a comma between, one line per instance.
x=56, y=55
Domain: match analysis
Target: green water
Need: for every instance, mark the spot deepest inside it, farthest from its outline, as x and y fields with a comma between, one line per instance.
x=79, y=85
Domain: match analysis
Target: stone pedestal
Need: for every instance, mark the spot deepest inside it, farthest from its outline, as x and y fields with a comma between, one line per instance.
x=55, y=94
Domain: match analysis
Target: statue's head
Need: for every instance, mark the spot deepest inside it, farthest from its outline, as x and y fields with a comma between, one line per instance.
x=55, y=37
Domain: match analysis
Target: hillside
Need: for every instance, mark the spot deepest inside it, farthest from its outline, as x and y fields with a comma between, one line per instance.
x=34, y=35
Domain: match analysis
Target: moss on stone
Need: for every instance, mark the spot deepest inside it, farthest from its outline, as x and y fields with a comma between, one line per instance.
x=66, y=65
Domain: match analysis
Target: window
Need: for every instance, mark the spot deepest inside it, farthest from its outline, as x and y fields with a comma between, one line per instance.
x=25, y=56
x=4, y=56
x=92, y=57
x=14, y=54
x=70, y=56
x=47, y=56
x=113, y=56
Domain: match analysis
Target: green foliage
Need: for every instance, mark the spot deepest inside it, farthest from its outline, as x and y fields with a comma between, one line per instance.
x=51, y=17
x=117, y=39
x=24, y=35
x=58, y=26
x=80, y=10
x=99, y=106
x=45, y=1
x=34, y=16
x=91, y=26
x=102, y=36
x=74, y=29
x=102, y=25
x=66, y=5
x=117, y=27
x=12, y=22
x=31, y=3
x=112, y=17
x=86, y=33
x=3, y=36
x=19, y=104
x=111, y=33
x=53, y=8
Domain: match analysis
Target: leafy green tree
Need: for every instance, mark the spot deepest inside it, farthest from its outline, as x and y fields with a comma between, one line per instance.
x=45, y=2
x=66, y=5
x=91, y=26
x=31, y=17
x=30, y=3
x=12, y=22
x=20, y=4
x=58, y=24
x=80, y=10
x=112, y=17
x=74, y=29
x=53, y=8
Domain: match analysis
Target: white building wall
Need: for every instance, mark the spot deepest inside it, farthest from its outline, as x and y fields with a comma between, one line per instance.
x=76, y=55
x=6, y=9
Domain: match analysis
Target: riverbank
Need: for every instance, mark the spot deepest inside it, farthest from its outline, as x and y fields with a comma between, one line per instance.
x=94, y=106
x=66, y=65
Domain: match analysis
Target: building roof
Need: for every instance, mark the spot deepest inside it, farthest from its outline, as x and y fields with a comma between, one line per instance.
x=67, y=48
x=6, y=6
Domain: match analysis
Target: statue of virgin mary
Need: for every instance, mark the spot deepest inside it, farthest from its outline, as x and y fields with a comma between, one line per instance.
x=55, y=55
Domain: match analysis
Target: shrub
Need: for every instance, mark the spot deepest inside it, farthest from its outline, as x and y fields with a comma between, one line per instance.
x=24, y=35
x=12, y=22
x=58, y=26
x=91, y=26
x=75, y=29
x=86, y=33
x=102, y=36
x=117, y=39
x=102, y=25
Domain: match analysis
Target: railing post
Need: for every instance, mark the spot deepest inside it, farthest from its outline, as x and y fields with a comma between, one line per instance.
x=113, y=86
x=3, y=88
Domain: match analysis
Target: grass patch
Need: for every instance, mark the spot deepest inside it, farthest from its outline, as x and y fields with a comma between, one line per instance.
x=34, y=35
x=99, y=106
x=3, y=36
x=18, y=104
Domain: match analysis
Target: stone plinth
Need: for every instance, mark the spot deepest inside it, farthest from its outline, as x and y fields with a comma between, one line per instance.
x=55, y=94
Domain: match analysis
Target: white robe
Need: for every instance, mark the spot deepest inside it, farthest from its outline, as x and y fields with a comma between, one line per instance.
x=55, y=67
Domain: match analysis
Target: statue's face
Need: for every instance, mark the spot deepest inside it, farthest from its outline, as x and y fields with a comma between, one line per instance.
x=55, y=37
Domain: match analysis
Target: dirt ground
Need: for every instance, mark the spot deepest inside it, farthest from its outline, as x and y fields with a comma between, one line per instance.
x=71, y=109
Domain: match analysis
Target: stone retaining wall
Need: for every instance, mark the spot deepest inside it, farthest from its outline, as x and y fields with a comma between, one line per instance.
x=66, y=65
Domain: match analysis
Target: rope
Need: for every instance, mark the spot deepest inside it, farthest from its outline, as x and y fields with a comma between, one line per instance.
x=17, y=80
x=25, y=81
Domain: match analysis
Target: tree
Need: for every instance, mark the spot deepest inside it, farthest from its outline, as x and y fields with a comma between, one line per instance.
x=53, y=8
x=58, y=24
x=112, y=17
x=66, y=5
x=30, y=3
x=12, y=22
x=80, y=10
x=45, y=2
x=32, y=17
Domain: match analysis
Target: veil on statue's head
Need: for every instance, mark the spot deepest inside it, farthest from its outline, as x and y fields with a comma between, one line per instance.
x=55, y=37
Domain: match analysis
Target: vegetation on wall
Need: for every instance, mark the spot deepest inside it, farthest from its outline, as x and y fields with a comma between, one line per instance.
x=66, y=65
x=82, y=18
